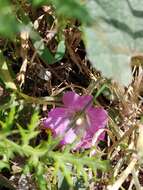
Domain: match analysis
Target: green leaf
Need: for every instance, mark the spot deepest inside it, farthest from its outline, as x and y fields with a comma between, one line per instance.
x=10, y=118
x=111, y=64
x=4, y=164
x=8, y=23
x=60, y=51
x=115, y=36
x=34, y=121
x=79, y=162
x=72, y=9
x=41, y=49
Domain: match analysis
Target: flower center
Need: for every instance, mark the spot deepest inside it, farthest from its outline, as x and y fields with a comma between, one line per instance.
x=77, y=119
x=80, y=121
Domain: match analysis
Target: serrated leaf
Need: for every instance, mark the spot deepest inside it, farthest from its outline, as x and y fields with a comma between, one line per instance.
x=62, y=183
x=115, y=36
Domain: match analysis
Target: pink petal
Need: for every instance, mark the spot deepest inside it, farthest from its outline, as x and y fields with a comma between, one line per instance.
x=57, y=121
x=69, y=137
x=98, y=119
x=75, y=102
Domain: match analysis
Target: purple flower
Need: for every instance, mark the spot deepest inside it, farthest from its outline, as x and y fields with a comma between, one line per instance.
x=76, y=120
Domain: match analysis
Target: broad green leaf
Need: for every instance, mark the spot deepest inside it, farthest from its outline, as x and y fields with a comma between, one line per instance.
x=105, y=59
x=44, y=52
x=136, y=4
x=60, y=51
x=41, y=49
x=115, y=36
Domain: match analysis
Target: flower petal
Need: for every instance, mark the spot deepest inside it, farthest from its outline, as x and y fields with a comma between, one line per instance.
x=57, y=121
x=75, y=102
x=69, y=137
x=97, y=119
